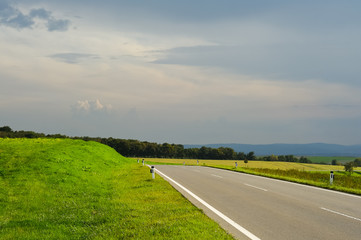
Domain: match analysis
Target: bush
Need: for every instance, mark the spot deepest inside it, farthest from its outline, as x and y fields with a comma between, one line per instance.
x=349, y=167
x=357, y=162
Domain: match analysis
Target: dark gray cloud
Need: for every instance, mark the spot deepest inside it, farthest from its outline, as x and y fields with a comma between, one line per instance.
x=12, y=17
x=333, y=63
x=307, y=14
x=72, y=57
x=58, y=25
x=186, y=10
x=40, y=13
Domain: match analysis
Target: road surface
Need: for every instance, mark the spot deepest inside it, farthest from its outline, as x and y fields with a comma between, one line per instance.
x=268, y=208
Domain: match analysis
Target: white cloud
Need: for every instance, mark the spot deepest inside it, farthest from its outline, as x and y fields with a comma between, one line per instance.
x=92, y=106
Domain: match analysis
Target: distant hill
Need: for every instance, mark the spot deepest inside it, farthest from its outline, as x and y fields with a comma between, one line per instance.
x=311, y=149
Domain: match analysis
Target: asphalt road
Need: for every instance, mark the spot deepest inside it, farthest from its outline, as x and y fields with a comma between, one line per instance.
x=268, y=208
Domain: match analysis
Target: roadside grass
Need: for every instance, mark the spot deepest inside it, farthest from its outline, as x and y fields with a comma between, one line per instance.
x=343, y=182
x=160, y=212
x=310, y=174
x=72, y=189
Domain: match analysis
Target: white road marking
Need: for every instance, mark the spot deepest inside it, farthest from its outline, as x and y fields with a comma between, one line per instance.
x=249, y=185
x=328, y=210
x=224, y=217
x=214, y=175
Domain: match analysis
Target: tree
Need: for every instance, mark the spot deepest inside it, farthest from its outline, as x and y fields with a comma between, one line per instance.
x=151, y=150
x=179, y=151
x=357, y=162
x=167, y=150
x=290, y=158
x=5, y=129
x=216, y=153
x=241, y=156
x=245, y=161
x=334, y=162
x=203, y=152
x=349, y=167
x=304, y=160
x=229, y=153
x=273, y=158
x=250, y=156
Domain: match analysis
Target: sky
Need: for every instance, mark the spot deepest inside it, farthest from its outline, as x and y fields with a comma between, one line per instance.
x=184, y=72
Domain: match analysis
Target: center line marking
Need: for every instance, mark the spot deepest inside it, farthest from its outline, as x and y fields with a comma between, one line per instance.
x=328, y=210
x=221, y=215
x=256, y=187
x=216, y=176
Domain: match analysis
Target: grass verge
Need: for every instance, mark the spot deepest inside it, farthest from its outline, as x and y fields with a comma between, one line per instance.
x=71, y=189
x=342, y=181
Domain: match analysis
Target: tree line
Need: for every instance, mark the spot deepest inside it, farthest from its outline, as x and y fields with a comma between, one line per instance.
x=286, y=158
x=136, y=148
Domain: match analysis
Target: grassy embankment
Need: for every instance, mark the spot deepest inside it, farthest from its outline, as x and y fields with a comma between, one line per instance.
x=67, y=189
x=310, y=174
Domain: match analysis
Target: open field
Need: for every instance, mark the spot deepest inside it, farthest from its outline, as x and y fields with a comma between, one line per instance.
x=310, y=174
x=253, y=164
x=71, y=189
x=328, y=160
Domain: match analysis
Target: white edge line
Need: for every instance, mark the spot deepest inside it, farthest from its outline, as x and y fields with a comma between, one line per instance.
x=224, y=217
x=342, y=214
x=249, y=185
x=214, y=175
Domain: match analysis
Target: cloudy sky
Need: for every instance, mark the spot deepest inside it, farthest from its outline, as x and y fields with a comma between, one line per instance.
x=187, y=72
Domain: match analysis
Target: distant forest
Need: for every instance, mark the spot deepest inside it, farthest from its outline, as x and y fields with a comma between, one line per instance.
x=135, y=148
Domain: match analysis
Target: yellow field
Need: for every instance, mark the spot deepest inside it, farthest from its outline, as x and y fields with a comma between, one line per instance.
x=253, y=164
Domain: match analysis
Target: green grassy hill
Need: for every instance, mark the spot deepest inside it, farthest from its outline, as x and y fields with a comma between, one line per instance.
x=72, y=189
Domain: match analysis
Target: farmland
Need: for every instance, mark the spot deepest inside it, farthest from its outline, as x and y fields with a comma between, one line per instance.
x=253, y=164
x=328, y=160
x=310, y=174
